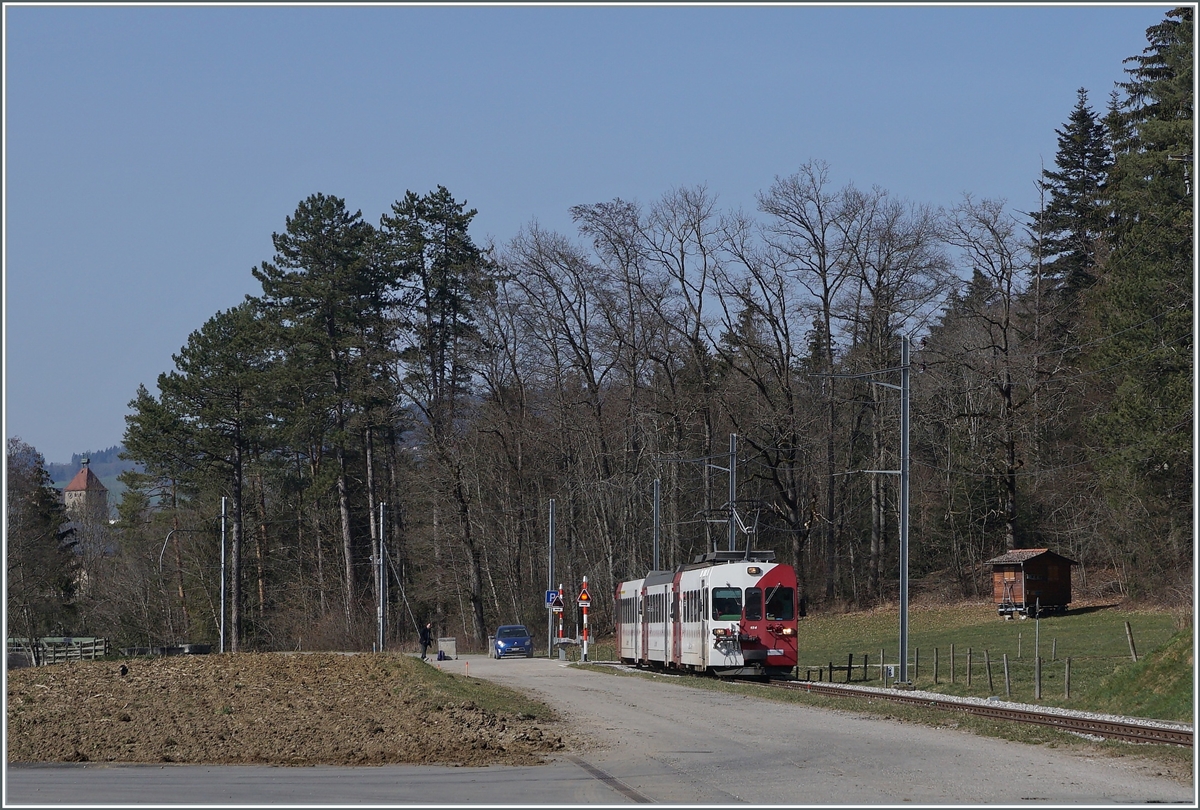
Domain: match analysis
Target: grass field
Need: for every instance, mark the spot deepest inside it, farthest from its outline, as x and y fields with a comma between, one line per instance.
x=1103, y=676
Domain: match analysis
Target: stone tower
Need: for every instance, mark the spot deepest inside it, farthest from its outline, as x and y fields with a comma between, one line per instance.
x=85, y=496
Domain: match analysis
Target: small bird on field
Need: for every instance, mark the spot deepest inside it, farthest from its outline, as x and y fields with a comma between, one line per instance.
x=124, y=670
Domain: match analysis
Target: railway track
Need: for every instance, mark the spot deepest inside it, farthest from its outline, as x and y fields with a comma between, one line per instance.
x=1125, y=729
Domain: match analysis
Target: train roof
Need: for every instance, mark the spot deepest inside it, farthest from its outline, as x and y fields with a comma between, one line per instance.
x=725, y=557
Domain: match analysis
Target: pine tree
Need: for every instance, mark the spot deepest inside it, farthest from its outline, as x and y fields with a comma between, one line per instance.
x=322, y=292
x=208, y=421
x=40, y=563
x=1141, y=311
x=443, y=274
x=1071, y=225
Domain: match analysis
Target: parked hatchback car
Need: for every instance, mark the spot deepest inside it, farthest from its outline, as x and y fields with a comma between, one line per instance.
x=513, y=639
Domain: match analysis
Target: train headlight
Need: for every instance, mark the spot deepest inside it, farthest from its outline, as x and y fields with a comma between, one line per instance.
x=789, y=631
x=720, y=632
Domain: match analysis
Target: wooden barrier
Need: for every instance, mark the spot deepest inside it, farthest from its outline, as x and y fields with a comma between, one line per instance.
x=56, y=650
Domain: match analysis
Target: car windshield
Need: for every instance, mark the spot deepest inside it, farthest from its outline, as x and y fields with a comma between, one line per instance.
x=512, y=632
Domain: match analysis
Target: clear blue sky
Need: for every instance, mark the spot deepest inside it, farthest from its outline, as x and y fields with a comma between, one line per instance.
x=150, y=152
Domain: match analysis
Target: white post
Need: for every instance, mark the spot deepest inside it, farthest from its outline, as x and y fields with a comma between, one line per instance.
x=379, y=578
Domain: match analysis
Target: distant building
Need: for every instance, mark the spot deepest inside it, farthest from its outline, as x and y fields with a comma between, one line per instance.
x=85, y=497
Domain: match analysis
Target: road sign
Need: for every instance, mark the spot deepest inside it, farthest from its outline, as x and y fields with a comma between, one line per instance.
x=556, y=604
x=550, y=597
x=584, y=598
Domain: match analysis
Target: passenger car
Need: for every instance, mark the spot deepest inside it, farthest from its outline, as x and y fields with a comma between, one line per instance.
x=513, y=639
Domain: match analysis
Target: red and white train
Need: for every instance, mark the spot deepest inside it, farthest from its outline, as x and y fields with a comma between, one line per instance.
x=731, y=613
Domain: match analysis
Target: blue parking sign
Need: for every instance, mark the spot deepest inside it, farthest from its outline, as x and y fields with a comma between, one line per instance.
x=550, y=597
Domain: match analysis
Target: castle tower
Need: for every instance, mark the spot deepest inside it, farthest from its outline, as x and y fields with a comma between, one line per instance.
x=85, y=495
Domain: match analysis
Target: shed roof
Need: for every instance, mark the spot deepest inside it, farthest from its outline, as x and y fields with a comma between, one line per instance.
x=84, y=480
x=1021, y=555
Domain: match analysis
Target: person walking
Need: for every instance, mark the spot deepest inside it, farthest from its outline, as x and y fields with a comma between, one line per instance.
x=426, y=639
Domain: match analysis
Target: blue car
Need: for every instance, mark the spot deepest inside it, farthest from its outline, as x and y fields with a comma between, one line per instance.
x=513, y=639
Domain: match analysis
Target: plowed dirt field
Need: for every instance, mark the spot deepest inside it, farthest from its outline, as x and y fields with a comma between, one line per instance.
x=271, y=708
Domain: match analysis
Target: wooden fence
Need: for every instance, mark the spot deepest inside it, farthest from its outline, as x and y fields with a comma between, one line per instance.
x=56, y=650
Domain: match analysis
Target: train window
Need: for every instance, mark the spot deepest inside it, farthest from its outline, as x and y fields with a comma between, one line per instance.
x=727, y=604
x=781, y=604
x=753, y=604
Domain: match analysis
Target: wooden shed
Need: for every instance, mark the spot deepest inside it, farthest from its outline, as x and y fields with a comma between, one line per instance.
x=1026, y=580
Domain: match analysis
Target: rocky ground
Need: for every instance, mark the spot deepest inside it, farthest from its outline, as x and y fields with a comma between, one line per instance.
x=271, y=708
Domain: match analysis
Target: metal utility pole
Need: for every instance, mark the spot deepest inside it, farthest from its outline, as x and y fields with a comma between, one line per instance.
x=550, y=587
x=904, y=464
x=222, y=648
x=733, y=492
x=657, y=511
x=904, y=390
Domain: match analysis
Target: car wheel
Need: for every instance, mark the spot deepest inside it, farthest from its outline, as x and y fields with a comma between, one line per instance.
x=529, y=653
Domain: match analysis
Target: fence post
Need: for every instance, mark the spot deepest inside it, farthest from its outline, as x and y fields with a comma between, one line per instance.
x=935, y=665
x=987, y=662
x=881, y=672
x=849, y=666
x=969, y=666
x=951, y=663
x=1129, y=635
x=1067, y=680
x=1007, y=684
x=865, y=676
x=1037, y=678
x=1054, y=649
x=916, y=663
x=1018, y=645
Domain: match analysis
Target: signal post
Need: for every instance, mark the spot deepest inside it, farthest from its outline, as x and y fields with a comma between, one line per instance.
x=584, y=601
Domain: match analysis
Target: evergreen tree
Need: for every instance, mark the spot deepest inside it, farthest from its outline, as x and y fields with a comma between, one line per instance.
x=443, y=274
x=207, y=421
x=1070, y=226
x=1141, y=311
x=40, y=561
x=321, y=292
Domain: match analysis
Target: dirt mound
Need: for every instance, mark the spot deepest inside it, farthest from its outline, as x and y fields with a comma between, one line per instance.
x=268, y=708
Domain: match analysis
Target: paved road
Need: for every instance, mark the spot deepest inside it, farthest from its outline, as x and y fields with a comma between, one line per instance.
x=652, y=741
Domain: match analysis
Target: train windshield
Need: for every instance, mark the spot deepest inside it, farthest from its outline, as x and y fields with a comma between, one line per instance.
x=727, y=604
x=781, y=603
x=753, y=604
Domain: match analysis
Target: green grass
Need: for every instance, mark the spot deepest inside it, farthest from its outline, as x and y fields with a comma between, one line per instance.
x=1103, y=675
x=437, y=688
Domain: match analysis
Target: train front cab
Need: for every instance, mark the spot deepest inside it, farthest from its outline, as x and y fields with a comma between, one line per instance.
x=750, y=617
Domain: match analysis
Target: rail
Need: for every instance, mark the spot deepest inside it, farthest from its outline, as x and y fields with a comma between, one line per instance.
x=1115, y=728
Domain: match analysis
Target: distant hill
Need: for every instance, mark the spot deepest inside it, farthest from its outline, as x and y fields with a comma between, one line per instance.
x=106, y=464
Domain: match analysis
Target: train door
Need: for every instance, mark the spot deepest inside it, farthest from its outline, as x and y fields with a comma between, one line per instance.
x=726, y=615
x=676, y=619
x=644, y=623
